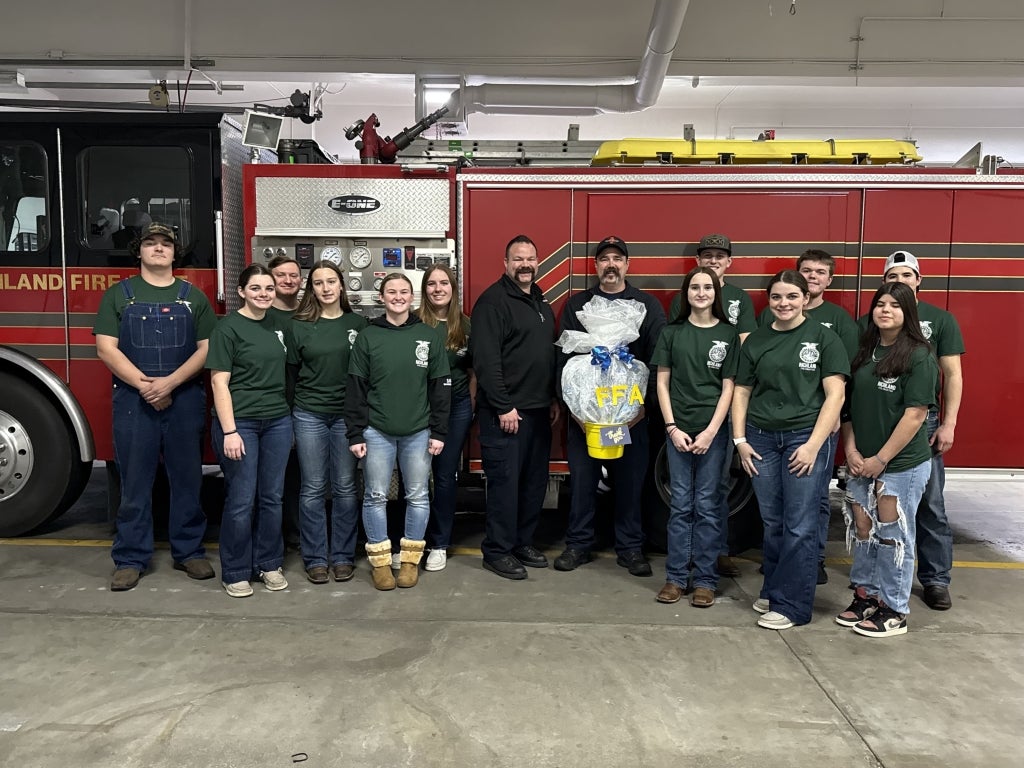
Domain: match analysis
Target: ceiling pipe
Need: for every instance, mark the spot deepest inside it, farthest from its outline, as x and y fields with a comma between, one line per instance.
x=534, y=99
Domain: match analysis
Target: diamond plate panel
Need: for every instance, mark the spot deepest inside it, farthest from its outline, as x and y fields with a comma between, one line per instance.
x=411, y=206
x=233, y=156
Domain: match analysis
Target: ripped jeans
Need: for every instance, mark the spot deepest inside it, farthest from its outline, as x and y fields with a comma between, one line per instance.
x=883, y=563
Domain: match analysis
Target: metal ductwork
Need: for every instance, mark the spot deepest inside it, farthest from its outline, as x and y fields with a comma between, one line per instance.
x=583, y=100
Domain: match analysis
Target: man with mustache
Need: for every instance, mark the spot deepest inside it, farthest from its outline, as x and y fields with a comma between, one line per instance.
x=627, y=473
x=514, y=358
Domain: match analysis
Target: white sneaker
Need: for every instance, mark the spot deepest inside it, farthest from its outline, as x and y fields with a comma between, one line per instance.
x=437, y=559
x=274, y=580
x=396, y=561
x=238, y=589
x=761, y=605
x=774, y=620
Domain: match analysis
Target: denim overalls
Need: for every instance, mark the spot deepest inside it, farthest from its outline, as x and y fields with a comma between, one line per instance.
x=158, y=339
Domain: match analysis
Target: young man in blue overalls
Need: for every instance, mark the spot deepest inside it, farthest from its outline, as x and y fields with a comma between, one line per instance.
x=152, y=332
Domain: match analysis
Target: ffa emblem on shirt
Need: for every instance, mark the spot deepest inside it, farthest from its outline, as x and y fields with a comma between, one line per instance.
x=188, y=305
x=280, y=337
x=717, y=353
x=352, y=337
x=734, y=311
x=461, y=352
x=827, y=325
x=809, y=355
x=926, y=329
x=888, y=384
x=422, y=353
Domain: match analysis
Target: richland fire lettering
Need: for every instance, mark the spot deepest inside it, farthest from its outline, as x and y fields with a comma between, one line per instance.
x=77, y=281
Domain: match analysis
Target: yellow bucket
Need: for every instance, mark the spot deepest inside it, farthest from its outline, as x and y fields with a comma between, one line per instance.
x=594, y=446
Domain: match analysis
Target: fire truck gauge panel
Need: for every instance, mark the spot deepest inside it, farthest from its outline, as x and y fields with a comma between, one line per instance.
x=304, y=254
x=392, y=258
x=355, y=284
x=377, y=283
x=360, y=257
x=332, y=254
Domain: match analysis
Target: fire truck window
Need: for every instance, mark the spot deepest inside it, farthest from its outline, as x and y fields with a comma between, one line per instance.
x=23, y=203
x=126, y=188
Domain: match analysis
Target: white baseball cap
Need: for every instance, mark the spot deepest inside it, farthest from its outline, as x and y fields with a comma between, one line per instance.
x=901, y=258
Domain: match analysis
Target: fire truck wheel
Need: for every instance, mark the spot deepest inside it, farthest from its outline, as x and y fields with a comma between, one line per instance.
x=38, y=468
x=745, y=527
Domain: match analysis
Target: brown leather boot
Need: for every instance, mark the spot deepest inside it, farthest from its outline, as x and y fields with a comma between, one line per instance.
x=379, y=555
x=409, y=573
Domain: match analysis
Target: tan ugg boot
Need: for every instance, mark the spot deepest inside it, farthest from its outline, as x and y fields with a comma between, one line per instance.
x=409, y=573
x=379, y=556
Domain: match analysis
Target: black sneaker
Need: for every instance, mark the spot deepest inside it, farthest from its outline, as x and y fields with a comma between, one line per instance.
x=635, y=561
x=531, y=556
x=884, y=622
x=861, y=608
x=571, y=559
x=822, y=573
x=507, y=567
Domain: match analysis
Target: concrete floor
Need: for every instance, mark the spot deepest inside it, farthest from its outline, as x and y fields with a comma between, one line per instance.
x=564, y=669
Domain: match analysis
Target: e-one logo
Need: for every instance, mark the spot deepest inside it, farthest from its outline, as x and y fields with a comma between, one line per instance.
x=354, y=204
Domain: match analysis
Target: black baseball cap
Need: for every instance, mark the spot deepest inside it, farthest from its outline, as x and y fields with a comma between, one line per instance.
x=611, y=242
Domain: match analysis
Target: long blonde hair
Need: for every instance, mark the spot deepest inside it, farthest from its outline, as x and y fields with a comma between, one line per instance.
x=457, y=337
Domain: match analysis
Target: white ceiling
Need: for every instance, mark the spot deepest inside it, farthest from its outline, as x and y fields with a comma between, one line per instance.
x=918, y=65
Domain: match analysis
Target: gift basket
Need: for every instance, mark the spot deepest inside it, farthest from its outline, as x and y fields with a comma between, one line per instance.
x=605, y=388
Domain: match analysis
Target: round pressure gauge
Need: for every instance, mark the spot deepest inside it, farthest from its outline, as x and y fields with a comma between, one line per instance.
x=360, y=257
x=377, y=283
x=332, y=254
x=355, y=284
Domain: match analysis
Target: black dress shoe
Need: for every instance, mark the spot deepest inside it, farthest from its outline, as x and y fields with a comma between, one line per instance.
x=822, y=573
x=635, y=562
x=507, y=567
x=571, y=559
x=531, y=556
x=936, y=597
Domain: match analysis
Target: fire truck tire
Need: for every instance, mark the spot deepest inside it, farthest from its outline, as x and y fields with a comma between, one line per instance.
x=39, y=473
x=745, y=528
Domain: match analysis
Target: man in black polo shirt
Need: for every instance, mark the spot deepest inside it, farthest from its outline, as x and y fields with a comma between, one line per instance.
x=514, y=359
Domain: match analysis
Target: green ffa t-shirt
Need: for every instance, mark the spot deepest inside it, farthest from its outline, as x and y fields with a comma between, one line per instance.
x=459, y=360
x=108, y=318
x=254, y=353
x=831, y=316
x=784, y=370
x=699, y=359
x=737, y=305
x=877, y=405
x=940, y=329
x=397, y=363
x=282, y=317
x=321, y=350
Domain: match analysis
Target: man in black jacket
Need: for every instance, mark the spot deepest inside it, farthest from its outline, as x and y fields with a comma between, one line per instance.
x=611, y=262
x=513, y=351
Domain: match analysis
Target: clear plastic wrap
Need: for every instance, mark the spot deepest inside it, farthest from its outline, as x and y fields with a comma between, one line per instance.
x=608, y=385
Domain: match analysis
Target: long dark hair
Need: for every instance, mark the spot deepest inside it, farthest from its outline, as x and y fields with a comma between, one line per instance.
x=897, y=362
x=684, y=303
x=309, y=308
x=789, y=277
x=456, y=320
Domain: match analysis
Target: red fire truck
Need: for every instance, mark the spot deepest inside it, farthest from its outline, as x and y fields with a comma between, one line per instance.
x=964, y=227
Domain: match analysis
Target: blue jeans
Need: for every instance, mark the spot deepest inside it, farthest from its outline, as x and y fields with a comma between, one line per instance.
x=724, y=482
x=516, y=466
x=825, y=505
x=378, y=466
x=445, y=467
x=324, y=456
x=695, y=514
x=141, y=436
x=883, y=563
x=789, y=508
x=934, y=536
x=627, y=475
x=248, y=545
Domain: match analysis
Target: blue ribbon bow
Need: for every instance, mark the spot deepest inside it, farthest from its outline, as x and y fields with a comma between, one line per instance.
x=603, y=357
